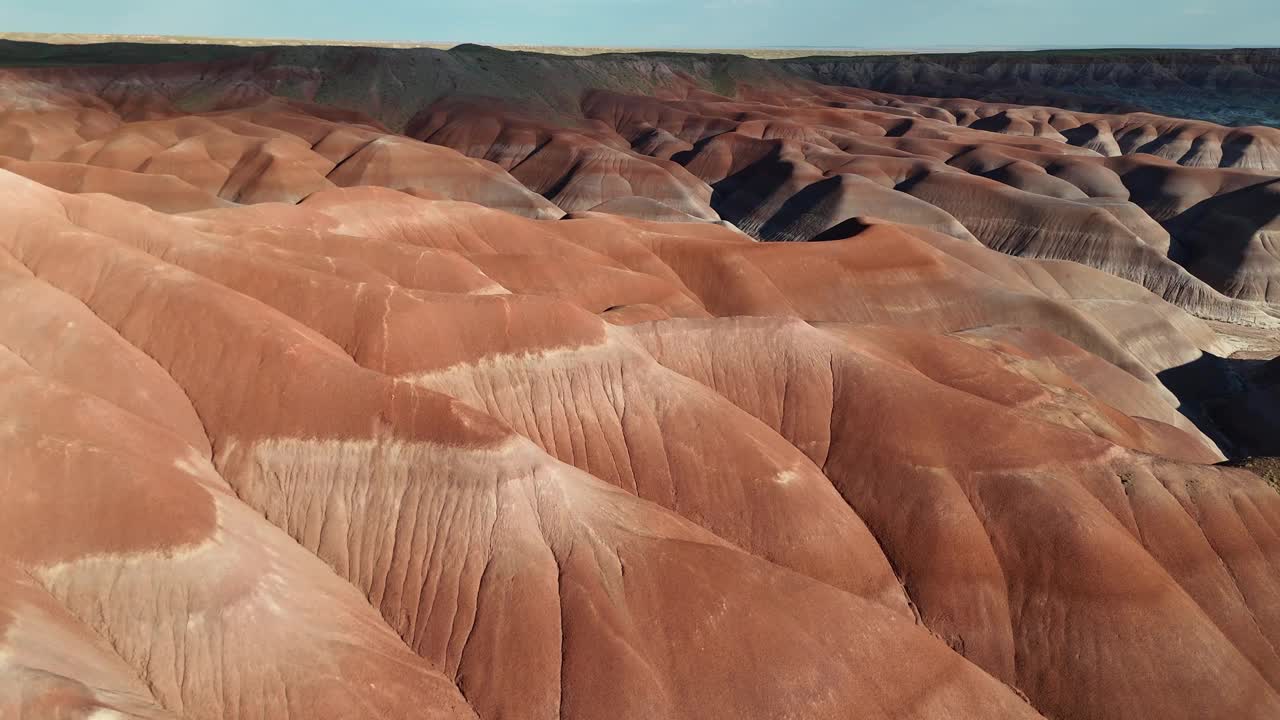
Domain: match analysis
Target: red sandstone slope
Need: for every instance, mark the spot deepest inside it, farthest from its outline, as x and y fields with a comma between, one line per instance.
x=305, y=418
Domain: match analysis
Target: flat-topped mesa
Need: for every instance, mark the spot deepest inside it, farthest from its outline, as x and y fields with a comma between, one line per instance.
x=1235, y=87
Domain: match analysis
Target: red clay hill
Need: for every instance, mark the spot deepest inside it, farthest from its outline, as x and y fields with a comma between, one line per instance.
x=343, y=382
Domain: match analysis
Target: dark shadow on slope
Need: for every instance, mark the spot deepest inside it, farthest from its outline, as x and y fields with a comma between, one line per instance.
x=1212, y=238
x=1236, y=402
x=842, y=230
x=806, y=213
x=738, y=197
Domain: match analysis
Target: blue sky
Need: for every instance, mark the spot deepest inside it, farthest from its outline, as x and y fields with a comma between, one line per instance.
x=907, y=24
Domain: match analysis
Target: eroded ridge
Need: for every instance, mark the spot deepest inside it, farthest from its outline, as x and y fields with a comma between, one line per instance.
x=506, y=418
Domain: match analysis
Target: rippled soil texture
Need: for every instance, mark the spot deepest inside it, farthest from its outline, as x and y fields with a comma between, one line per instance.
x=340, y=383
